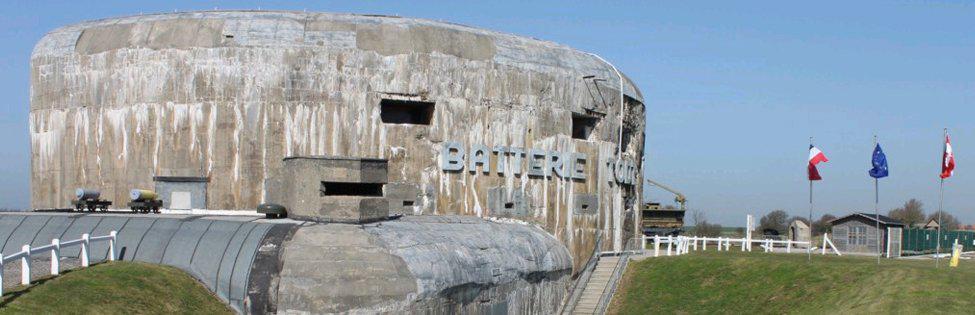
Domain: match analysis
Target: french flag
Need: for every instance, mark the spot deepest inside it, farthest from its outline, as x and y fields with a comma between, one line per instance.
x=815, y=157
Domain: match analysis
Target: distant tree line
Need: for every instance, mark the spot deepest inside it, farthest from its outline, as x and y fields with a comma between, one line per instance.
x=702, y=227
x=912, y=214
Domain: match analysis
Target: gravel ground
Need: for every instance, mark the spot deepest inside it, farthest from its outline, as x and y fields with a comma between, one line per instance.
x=40, y=267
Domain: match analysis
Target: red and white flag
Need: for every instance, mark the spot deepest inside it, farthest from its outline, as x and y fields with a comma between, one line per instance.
x=947, y=159
x=815, y=157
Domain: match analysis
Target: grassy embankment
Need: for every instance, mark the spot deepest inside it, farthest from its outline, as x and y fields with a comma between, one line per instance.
x=115, y=288
x=749, y=283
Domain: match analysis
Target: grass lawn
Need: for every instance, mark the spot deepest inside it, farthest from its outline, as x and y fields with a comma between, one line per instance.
x=737, y=283
x=115, y=288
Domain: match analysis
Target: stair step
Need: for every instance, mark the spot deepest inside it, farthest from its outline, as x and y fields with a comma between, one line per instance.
x=597, y=285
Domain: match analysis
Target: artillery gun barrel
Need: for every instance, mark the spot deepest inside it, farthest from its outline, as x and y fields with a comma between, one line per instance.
x=87, y=194
x=143, y=195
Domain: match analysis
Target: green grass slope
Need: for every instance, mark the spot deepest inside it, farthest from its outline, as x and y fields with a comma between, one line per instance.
x=760, y=283
x=115, y=288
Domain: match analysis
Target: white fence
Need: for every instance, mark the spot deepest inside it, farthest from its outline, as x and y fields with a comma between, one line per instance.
x=55, y=248
x=683, y=244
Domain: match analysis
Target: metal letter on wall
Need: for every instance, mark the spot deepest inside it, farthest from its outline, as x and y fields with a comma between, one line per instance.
x=501, y=152
x=537, y=159
x=579, y=166
x=479, y=156
x=517, y=154
x=557, y=164
x=452, y=157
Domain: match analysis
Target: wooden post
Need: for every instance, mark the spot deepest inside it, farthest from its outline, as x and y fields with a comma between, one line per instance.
x=888, y=241
x=670, y=243
x=788, y=246
x=656, y=246
x=114, y=234
x=25, y=265
x=55, y=257
x=824, y=243
x=84, y=250
x=1, y=273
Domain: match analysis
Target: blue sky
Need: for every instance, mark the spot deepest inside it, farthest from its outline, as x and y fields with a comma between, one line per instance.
x=733, y=90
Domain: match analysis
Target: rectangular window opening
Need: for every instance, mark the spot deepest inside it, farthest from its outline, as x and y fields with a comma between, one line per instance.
x=583, y=126
x=509, y=205
x=351, y=189
x=407, y=203
x=406, y=112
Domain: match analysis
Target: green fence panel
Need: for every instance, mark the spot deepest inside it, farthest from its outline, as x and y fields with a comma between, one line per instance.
x=921, y=241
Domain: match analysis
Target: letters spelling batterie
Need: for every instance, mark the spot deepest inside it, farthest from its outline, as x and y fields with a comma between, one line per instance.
x=539, y=163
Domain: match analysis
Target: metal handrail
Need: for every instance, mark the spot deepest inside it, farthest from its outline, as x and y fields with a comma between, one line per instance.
x=583, y=277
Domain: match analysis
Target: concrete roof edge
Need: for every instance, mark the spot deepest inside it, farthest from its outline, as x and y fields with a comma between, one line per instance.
x=631, y=90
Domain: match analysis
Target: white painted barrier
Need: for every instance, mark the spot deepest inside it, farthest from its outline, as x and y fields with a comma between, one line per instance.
x=55, y=248
x=680, y=245
x=826, y=240
x=656, y=245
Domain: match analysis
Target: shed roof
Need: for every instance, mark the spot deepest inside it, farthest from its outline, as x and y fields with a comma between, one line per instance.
x=800, y=224
x=872, y=217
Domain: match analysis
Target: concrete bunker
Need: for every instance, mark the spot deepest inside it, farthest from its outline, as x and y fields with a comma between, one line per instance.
x=332, y=189
x=296, y=108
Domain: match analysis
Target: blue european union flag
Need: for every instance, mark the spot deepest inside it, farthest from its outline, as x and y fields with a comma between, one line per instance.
x=879, y=161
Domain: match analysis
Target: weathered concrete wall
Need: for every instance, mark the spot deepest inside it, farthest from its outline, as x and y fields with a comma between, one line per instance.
x=218, y=251
x=424, y=264
x=227, y=95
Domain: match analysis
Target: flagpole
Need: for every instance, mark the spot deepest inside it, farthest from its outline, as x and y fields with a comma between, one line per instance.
x=876, y=207
x=941, y=202
x=809, y=248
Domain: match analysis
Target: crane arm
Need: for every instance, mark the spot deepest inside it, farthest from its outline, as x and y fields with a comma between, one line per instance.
x=679, y=197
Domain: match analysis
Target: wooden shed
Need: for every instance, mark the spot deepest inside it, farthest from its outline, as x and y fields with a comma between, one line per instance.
x=858, y=233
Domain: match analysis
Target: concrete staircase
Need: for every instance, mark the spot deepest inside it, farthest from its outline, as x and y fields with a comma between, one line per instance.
x=597, y=286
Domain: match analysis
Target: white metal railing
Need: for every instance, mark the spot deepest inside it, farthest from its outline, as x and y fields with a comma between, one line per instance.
x=680, y=245
x=55, y=248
